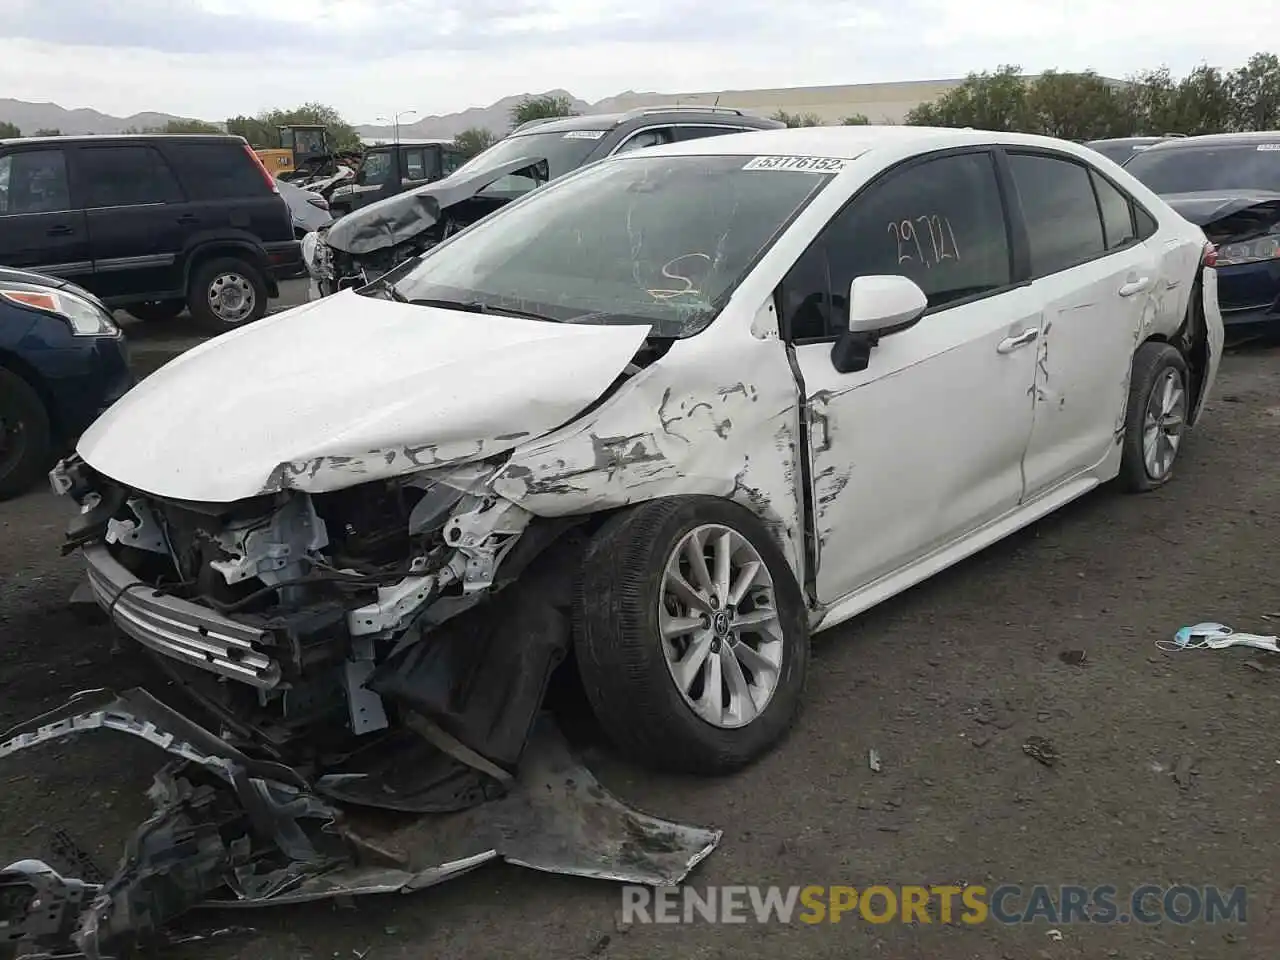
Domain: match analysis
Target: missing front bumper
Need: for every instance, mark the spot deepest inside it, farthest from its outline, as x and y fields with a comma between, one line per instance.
x=230, y=830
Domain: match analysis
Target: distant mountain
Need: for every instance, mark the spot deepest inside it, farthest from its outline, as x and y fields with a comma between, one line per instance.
x=30, y=117
x=497, y=116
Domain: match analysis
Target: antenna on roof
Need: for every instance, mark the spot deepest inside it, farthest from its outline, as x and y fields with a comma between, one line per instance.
x=717, y=103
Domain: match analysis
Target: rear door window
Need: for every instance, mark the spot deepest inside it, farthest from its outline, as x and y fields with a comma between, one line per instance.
x=646, y=138
x=415, y=166
x=1117, y=213
x=698, y=133
x=1064, y=227
x=217, y=171
x=124, y=176
x=34, y=181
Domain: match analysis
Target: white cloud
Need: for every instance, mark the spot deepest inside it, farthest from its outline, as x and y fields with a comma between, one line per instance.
x=214, y=58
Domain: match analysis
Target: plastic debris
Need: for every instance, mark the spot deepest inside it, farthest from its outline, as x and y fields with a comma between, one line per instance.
x=1217, y=636
x=873, y=760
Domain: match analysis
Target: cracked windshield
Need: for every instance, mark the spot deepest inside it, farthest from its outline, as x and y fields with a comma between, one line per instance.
x=645, y=240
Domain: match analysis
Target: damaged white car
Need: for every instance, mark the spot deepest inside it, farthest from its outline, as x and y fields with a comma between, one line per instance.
x=663, y=418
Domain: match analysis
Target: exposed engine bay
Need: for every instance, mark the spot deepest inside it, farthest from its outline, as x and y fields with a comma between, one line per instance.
x=346, y=646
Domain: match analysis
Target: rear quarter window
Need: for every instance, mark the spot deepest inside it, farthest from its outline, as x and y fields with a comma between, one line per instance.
x=216, y=171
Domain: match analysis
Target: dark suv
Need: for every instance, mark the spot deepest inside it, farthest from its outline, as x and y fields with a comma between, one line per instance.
x=366, y=243
x=149, y=223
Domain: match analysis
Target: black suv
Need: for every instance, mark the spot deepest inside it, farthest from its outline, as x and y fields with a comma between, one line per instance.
x=149, y=223
x=368, y=242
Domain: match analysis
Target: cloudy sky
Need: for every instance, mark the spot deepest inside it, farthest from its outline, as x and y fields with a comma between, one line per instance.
x=215, y=58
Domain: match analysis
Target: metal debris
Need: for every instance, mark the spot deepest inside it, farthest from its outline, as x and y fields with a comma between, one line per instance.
x=1042, y=750
x=230, y=830
x=873, y=761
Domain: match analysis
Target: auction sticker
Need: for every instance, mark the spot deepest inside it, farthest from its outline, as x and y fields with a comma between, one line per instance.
x=584, y=135
x=1269, y=146
x=797, y=164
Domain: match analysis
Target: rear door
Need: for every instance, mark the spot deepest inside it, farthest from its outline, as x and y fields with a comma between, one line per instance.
x=134, y=208
x=1094, y=278
x=41, y=227
x=229, y=194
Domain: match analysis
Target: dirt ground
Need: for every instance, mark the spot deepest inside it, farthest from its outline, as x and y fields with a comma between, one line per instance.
x=945, y=682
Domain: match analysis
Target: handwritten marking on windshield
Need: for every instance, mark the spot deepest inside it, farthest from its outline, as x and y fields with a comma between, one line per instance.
x=689, y=288
x=940, y=246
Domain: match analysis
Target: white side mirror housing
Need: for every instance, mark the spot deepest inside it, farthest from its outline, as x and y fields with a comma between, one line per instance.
x=884, y=304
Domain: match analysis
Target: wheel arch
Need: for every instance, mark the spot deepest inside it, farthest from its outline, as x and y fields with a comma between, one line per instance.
x=213, y=249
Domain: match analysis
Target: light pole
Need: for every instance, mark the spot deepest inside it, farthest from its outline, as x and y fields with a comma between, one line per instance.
x=395, y=122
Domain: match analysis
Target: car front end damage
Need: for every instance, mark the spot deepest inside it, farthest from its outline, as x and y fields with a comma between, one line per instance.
x=384, y=645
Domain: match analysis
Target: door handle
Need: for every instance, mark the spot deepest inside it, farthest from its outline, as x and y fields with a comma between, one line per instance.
x=61, y=230
x=1134, y=287
x=1010, y=344
x=188, y=218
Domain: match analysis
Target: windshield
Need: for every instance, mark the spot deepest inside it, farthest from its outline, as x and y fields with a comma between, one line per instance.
x=564, y=152
x=655, y=240
x=1235, y=166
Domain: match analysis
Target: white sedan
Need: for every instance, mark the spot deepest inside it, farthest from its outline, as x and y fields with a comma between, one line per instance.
x=678, y=411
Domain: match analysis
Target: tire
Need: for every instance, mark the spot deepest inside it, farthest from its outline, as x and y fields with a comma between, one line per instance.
x=235, y=276
x=26, y=440
x=154, y=310
x=1157, y=367
x=623, y=659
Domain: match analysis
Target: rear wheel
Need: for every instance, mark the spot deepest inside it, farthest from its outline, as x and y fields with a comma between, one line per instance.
x=1156, y=418
x=691, y=635
x=157, y=309
x=25, y=435
x=226, y=293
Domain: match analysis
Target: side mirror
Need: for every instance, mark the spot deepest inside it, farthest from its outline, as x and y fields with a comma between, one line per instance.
x=878, y=306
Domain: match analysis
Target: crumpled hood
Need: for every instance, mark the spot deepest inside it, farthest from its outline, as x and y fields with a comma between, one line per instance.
x=1205, y=207
x=399, y=218
x=349, y=389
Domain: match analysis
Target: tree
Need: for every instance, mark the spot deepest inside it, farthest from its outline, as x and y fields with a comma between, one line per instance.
x=541, y=108
x=8, y=130
x=1149, y=99
x=263, y=130
x=798, y=119
x=856, y=120
x=988, y=101
x=1201, y=103
x=1254, y=90
x=188, y=126
x=474, y=140
x=48, y=132
x=1076, y=106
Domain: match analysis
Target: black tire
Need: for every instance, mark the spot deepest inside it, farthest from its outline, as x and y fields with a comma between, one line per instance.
x=1151, y=365
x=154, y=310
x=25, y=449
x=619, y=648
x=205, y=274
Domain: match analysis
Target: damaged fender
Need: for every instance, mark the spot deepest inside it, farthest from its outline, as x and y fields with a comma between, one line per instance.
x=685, y=425
x=229, y=830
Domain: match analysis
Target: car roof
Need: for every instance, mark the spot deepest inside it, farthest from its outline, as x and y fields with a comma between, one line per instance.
x=1217, y=140
x=607, y=121
x=1120, y=140
x=99, y=138
x=408, y=142
x=850, y=142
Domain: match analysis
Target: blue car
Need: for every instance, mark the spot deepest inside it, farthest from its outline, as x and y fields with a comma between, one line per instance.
x=62, y=362
x=1229, y=186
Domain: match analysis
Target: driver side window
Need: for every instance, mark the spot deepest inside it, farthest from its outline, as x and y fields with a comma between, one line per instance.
x=645, y=138
x=939, y=222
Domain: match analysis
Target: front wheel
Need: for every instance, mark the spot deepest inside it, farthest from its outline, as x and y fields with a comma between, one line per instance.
x=691, y=635
x=25, y=436
x=226, y=293
x=1156, y=418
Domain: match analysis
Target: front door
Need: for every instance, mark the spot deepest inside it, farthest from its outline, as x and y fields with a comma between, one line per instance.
x=41, y=228
x=926, y=443
x=1094, y=277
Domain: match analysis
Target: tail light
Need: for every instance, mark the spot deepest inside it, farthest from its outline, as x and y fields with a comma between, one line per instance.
x=262, y=169
x=1210, y=257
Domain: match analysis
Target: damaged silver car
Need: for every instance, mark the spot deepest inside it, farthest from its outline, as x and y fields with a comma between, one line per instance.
x=654, y=424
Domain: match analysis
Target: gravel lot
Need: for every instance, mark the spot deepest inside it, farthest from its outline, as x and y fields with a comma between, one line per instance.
x=945, y=682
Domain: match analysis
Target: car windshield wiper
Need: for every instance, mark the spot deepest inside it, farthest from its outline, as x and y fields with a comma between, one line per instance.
x=476, y=306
